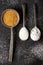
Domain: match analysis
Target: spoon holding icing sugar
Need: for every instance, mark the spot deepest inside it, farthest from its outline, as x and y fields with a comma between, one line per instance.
x=23, y=33
x=35, y=32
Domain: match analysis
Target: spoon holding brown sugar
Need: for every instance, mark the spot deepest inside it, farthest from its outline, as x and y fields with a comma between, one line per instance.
x=10, y=18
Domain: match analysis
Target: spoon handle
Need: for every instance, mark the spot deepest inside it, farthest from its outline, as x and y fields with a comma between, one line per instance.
x=23, y=7
x=34, y=14
x=11, y=47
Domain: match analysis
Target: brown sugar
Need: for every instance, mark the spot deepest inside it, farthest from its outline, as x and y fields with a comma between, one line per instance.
x=10, y=17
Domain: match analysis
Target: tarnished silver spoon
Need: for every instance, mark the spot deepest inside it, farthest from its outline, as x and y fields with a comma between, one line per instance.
x=23, y=33
x=35, y=33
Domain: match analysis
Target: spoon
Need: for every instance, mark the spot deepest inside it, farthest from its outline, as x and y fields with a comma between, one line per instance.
x=35, y=33
x=11, y=27
x=23, y=33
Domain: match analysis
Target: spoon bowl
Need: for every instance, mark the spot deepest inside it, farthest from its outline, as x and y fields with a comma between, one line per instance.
x=3, y=20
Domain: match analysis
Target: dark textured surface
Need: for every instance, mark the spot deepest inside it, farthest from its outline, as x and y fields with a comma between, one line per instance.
x=27, y=52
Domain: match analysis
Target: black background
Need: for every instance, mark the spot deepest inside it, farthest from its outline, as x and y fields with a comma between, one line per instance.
x=25, y=52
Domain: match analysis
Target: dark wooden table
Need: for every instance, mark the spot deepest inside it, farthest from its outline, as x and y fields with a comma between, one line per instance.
x=27, y=52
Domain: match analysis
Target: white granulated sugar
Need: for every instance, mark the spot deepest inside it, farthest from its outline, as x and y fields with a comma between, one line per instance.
x=23, y=33
x=35, y=34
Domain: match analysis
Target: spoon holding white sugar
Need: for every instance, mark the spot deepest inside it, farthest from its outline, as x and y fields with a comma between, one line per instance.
x=23, y=33
x=35, y=33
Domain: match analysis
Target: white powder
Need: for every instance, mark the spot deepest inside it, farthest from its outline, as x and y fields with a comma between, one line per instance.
x=35, y=34
x=23, y=33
